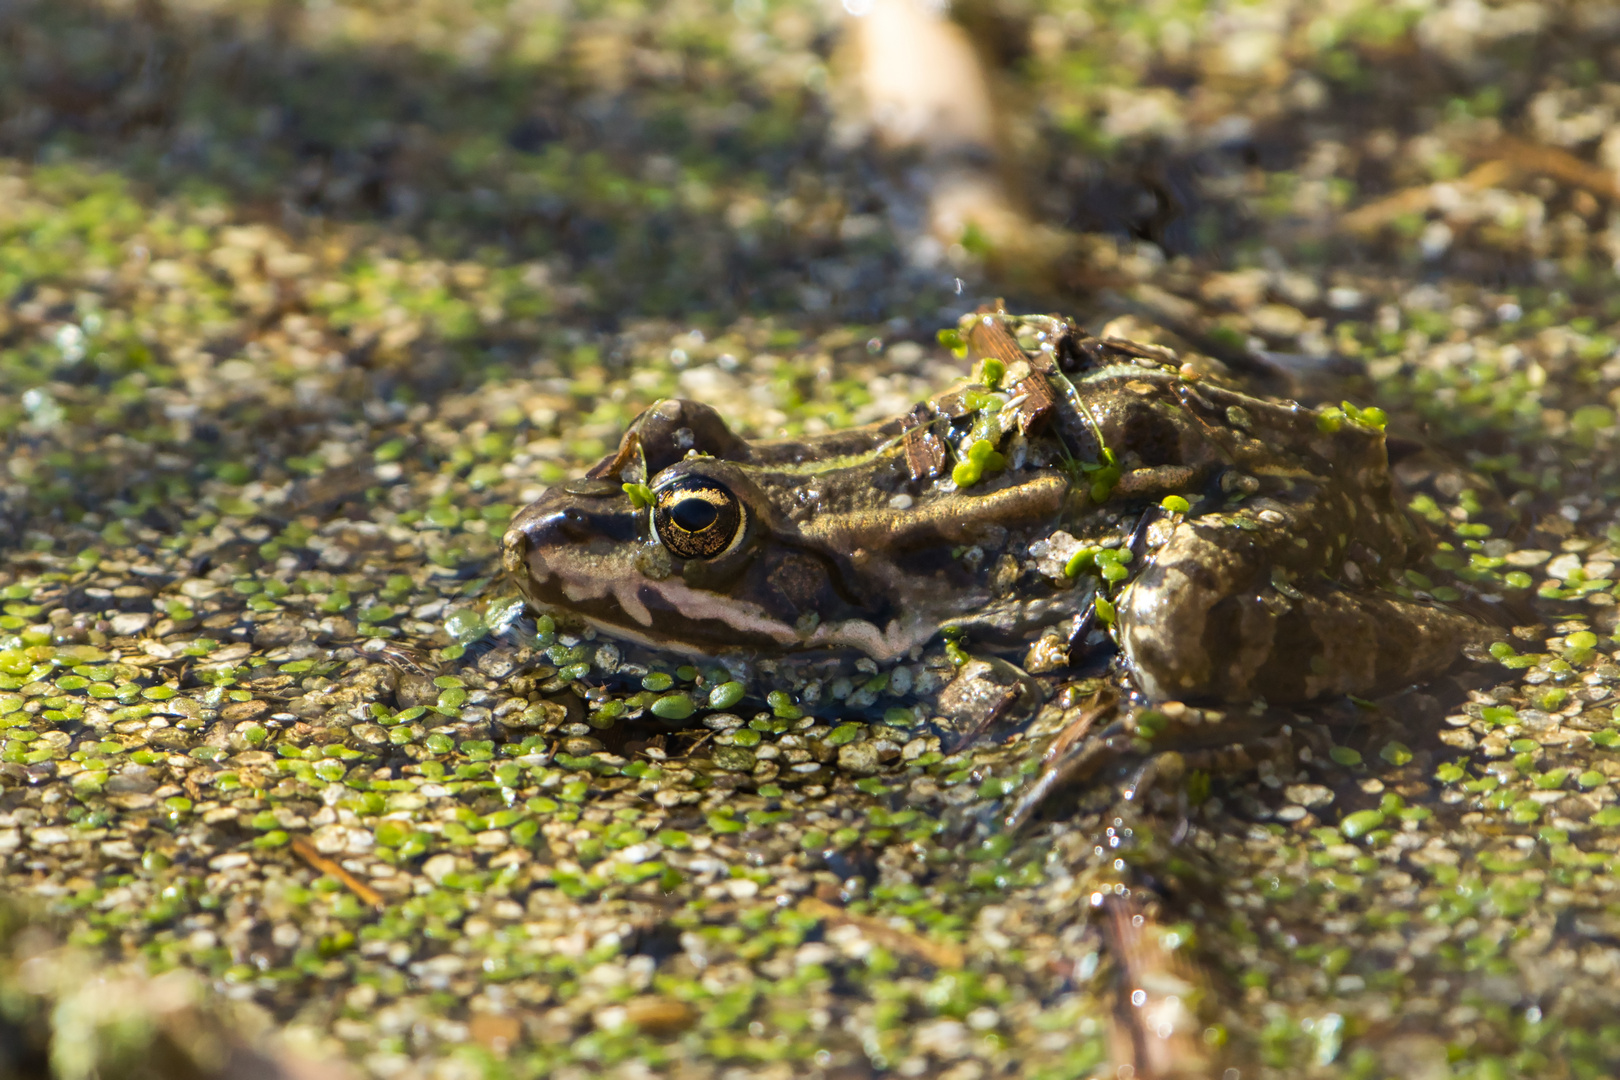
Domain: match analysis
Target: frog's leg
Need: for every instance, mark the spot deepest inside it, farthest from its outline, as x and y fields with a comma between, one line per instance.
x=1240, y=605
x=1096, y=740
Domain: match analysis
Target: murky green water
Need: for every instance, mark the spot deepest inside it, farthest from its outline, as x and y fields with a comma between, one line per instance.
x=302, y=301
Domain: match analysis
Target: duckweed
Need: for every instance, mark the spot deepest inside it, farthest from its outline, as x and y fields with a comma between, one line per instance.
x=673, y=706
x=981, y=457
x=184, y=381
x=844, y=734
x=725, y=695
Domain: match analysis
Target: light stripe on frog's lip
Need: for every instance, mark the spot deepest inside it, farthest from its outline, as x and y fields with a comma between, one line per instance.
x=884, y=645
x=746, y=618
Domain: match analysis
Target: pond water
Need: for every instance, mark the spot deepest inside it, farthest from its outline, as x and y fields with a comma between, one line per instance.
x=298, y=303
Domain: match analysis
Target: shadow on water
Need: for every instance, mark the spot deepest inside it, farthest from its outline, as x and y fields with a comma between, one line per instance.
x=652, y=174
x=665, y=179
x=581, y=136
x=649, y=172
x=668, y=180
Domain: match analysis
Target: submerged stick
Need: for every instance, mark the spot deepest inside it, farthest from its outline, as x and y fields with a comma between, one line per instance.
x=304, y=849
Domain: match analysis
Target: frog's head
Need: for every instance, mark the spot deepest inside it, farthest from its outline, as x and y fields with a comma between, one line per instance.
x=679, y=540
x=688, y=538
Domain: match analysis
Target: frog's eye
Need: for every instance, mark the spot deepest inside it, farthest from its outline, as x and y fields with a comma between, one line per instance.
x=696, y=518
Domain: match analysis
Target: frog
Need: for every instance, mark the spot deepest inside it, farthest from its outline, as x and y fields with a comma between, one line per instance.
x=1073, y=495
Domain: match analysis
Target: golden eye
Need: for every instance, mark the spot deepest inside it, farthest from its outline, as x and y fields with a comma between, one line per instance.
x=697, y=518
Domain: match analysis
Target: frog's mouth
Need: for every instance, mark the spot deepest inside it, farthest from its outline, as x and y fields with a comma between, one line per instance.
x=563, y=562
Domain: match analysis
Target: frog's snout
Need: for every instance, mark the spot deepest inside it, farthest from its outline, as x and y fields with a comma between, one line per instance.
x=540, y=535
x=547, y=531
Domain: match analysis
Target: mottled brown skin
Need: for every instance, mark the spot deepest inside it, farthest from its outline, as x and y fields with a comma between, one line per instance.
x=1272, y=597
x=1276, y=583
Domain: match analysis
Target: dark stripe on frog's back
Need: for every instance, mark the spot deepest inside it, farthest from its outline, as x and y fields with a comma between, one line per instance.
x=839, y=486
x=852, y=504
x=671, y=427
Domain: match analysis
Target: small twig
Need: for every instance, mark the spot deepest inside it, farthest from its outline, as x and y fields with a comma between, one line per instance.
x=304, y=849
x=1158, y=992
x=1559, y=164
x=1504, y=157
x=941, y=954
x=962, y=740
x=699, y=741
x=1098, y=704
x=1418, y=200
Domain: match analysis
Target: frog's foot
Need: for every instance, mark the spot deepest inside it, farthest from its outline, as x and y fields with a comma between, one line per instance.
x=1095, y=740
